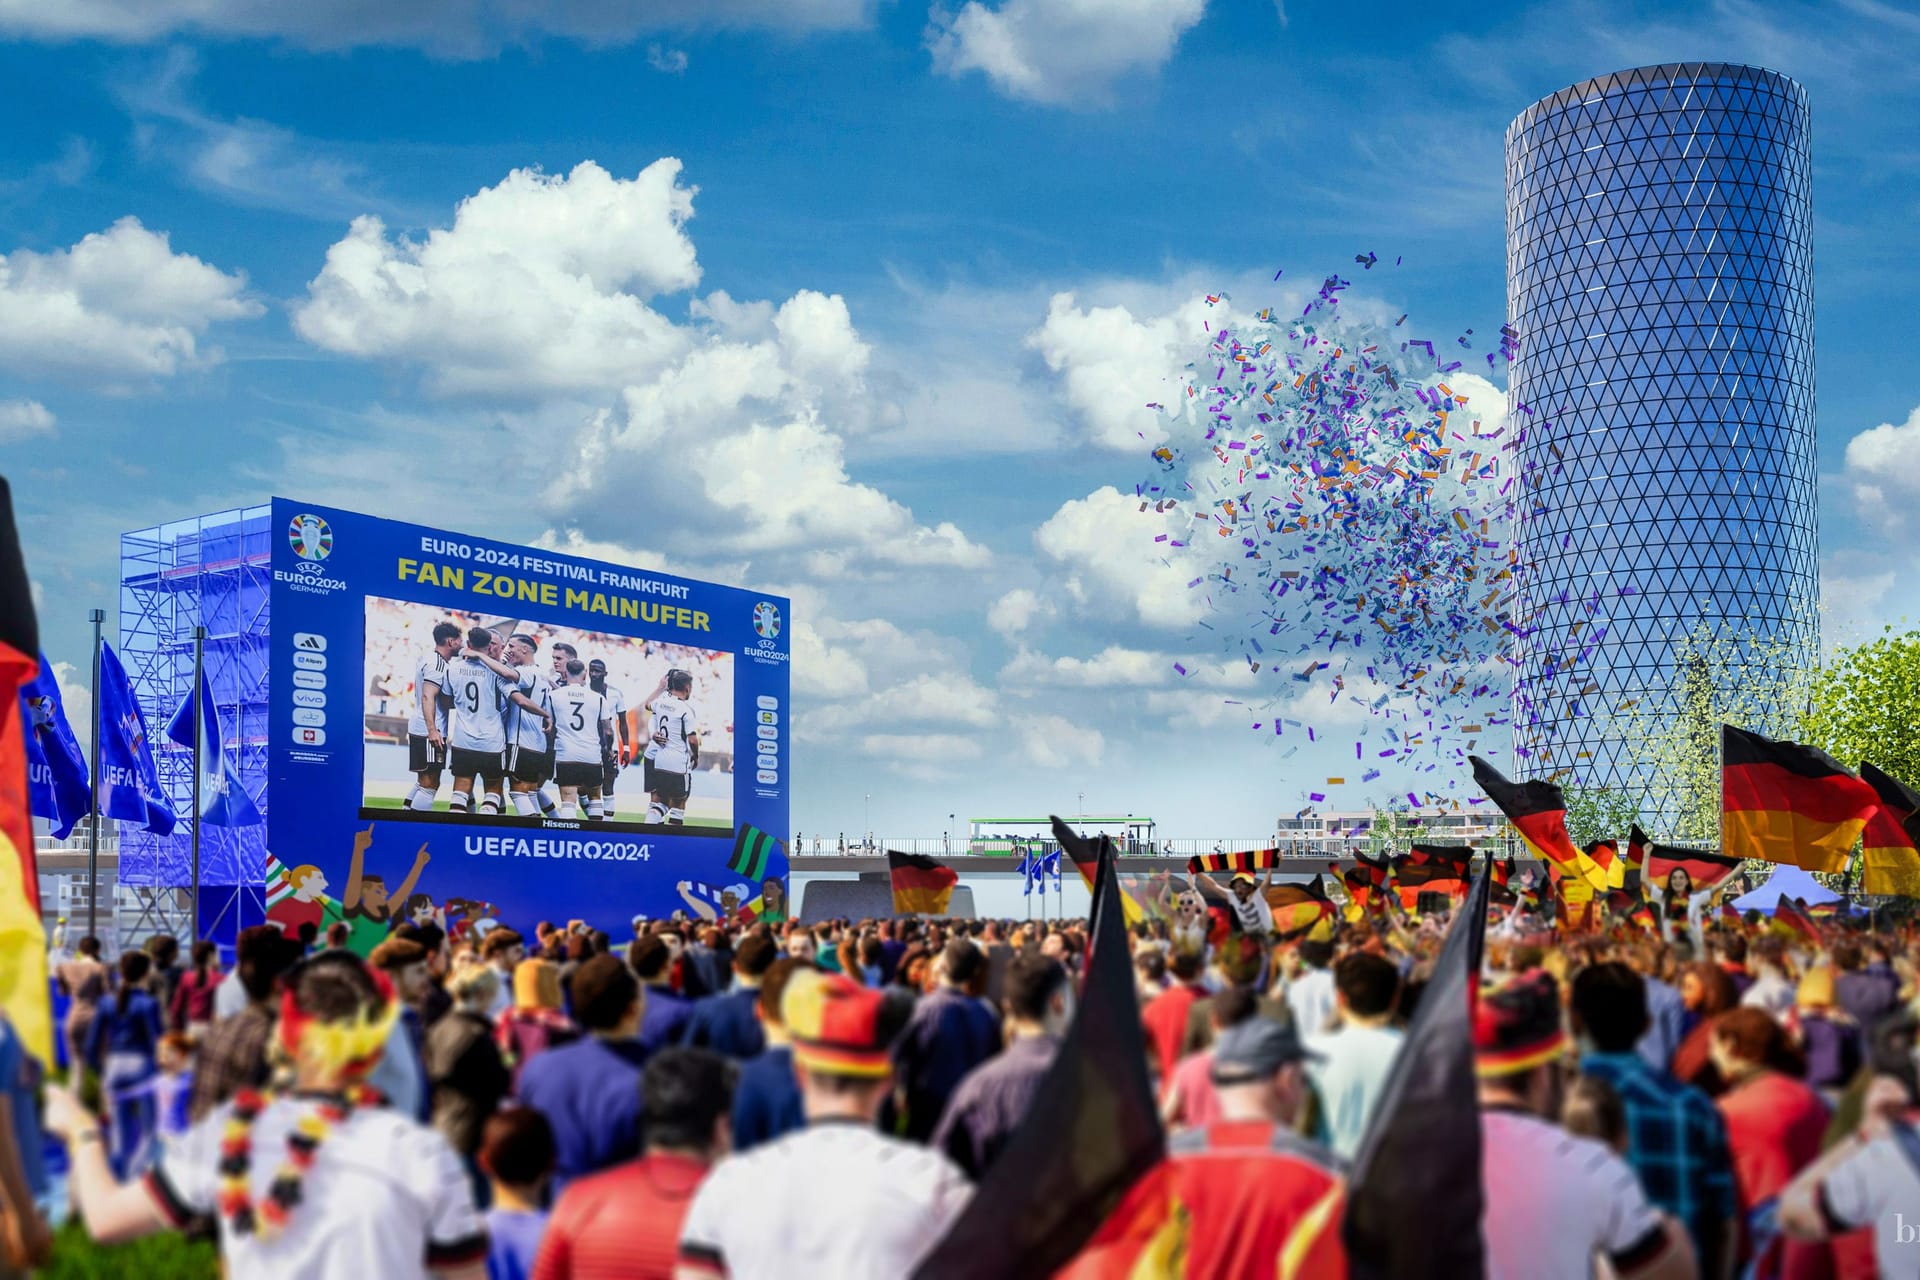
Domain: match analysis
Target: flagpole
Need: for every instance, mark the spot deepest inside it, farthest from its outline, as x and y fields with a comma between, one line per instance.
x=97, y=617
x=199, y=750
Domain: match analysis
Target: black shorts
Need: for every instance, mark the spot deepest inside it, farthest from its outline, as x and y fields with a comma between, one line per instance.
x=579, y=773
x=488, y=766
x=423, y=756
x=668, y=786
x=527, y=765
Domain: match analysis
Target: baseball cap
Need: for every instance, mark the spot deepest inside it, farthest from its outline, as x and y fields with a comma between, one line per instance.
x=1239, y=876
x=838, y=1027
x=1517, y=1025
x=1254, y=1050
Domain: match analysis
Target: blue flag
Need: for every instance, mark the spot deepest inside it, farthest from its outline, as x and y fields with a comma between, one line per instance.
x=223, y=801
x=1052, y=864
x=129, y=784
x=56, y=767
x=1029, y=871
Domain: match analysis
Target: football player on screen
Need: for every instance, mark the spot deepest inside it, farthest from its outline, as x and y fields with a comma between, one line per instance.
x=562, y=654
x=582, y=721
x=427, y=726
x=676, y=742
x=613, y=754
x=483, y=688
x=529, y=734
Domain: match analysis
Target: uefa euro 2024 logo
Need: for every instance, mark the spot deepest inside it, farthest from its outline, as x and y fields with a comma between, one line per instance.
x=310, y=537
x=766, y=620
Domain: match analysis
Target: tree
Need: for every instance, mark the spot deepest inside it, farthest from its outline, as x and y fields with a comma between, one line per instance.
x=1752, y=680
x=1389, y=833
x=1865, y=706
x=1599, y=813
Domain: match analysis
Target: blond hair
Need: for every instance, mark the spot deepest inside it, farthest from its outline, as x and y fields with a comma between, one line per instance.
x=474, y=984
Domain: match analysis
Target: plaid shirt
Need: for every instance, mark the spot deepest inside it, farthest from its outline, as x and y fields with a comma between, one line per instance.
x=1677, y=1143
x=232, y=1057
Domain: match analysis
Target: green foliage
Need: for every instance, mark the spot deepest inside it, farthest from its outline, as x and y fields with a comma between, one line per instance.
x=1600, y=813
x=1389, y=833
x=162, y=1257
x=1865, y=706
x=1752, y=681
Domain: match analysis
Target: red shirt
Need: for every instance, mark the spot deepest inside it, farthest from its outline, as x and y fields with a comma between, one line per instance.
x=1774, y=1128
x=1238, y=1199
x=1165, y=1019
x=623, y=1224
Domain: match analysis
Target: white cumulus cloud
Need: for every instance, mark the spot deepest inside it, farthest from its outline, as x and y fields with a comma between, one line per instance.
x=23, y=420
x=1112, y=366
x=447, y=28
x=1017, y=610
x=1055, y=742
x=120, y=303
x=1103, y=546
x=788, y=490
x=1060, y=52
x=1883, y=468
x=540, y=286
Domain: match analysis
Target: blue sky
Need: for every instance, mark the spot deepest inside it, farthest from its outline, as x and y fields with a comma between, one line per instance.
x=800, y=324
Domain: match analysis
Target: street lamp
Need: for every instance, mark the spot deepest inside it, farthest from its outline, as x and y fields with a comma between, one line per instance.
x=866, y=816
x=946, y=843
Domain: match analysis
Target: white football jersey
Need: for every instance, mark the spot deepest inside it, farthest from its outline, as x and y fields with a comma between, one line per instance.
x=479, y=698
x=677, y=717
x=523, y=726
x=616, y=707
x=578, y=714
x=431, y=669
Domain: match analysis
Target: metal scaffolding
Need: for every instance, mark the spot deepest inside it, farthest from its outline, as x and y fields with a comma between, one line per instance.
x=213, y=571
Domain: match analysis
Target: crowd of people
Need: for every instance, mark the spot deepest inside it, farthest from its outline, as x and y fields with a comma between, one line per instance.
x=822, y=1099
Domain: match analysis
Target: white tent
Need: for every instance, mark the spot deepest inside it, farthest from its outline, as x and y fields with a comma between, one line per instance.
x=1789, y=882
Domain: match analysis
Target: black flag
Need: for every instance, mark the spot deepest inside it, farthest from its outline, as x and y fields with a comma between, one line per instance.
x=1415, y=1196
x=1092, y=1131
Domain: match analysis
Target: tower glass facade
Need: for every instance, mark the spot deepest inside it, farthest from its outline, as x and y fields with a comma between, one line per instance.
x=1660, y=282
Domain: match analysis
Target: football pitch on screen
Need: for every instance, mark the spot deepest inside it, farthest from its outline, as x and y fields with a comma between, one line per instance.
x=625, y=814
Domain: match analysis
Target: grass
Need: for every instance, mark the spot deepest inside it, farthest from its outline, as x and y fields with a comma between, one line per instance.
x=167, y=1256
x=441, y=806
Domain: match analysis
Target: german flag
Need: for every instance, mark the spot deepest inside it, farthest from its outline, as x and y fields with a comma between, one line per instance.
x=920, y=885
x=1092, y=1130
x=1297, y=908
x=1630, y=871
x=1365, y=882
x=1791, y=918
x=1730, y=915
x=1538, y=811
x=1244, y=860
x=1704, y=870
x=1431, y=869
x=1892, y=859
x=1788, y=803
x=23, y=939
x=1420, y=1153
x=1629, y=904
x=1604, y=854
x=1084, y=854
x=1458, y=857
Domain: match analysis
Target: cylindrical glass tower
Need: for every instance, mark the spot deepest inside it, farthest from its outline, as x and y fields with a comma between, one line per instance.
x=1660, y=283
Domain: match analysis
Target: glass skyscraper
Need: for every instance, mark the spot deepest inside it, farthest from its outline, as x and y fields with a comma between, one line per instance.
x=1660, y=286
